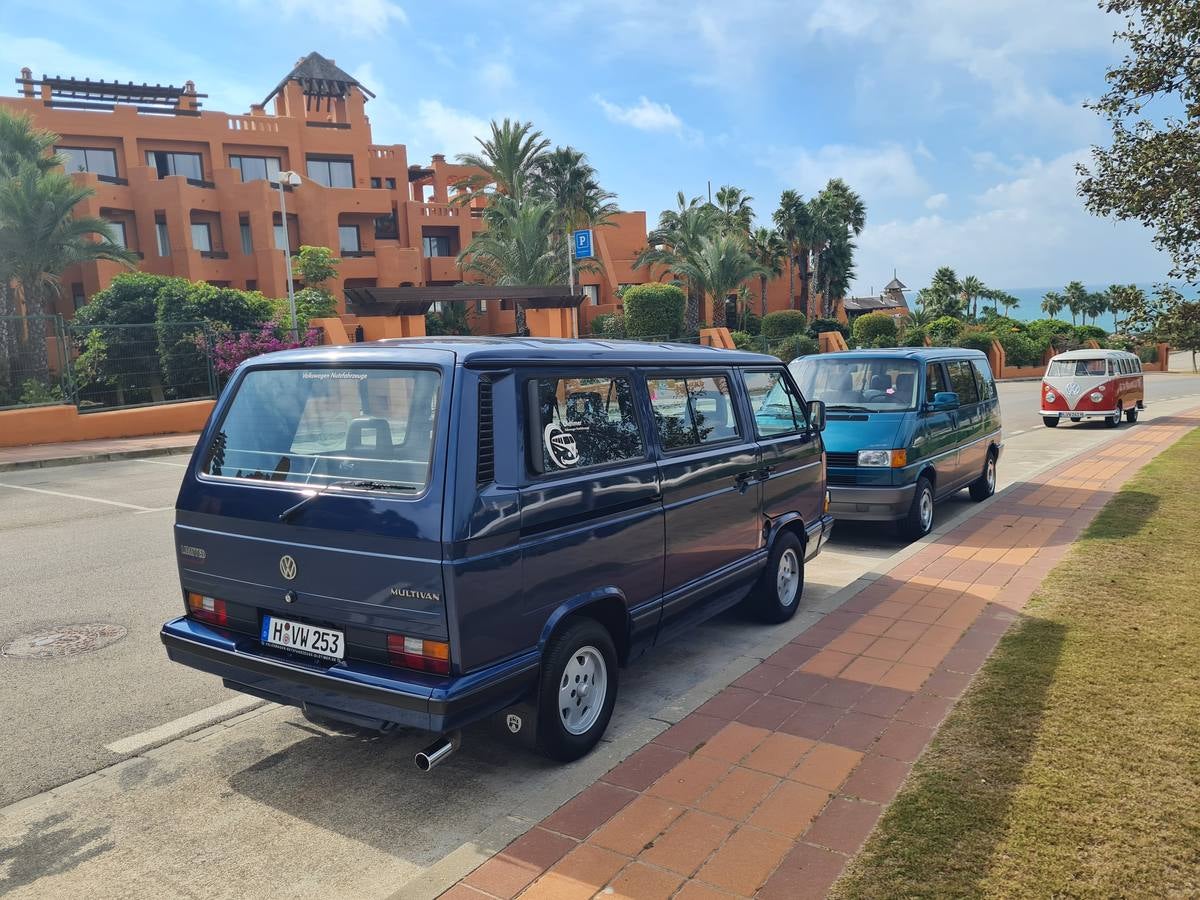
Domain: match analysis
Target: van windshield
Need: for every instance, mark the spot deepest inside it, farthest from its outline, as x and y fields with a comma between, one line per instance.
x=1077, y=368
x=320, y=426
x=869, y=385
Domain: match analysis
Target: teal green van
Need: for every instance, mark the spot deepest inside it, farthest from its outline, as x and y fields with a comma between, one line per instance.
x=905, y=429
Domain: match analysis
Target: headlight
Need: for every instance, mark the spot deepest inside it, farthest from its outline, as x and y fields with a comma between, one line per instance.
x=1051, y=396
x=1097, y=396
x=882, y=458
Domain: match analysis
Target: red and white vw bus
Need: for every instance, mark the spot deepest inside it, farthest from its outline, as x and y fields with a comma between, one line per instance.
x=1093, y=384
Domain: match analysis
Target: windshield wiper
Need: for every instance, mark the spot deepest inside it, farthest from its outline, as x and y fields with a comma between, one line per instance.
x=348, y=483
x=849, y=407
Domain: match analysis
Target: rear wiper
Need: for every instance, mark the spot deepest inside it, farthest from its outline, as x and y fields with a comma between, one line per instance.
x=312, y=495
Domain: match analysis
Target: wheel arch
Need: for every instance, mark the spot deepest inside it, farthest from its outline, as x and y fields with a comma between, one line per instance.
x=604, y=605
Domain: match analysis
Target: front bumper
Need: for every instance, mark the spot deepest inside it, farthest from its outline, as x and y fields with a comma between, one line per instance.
x=1077, y=414
x=361, y=691
x=870, y=504
x=816, y=535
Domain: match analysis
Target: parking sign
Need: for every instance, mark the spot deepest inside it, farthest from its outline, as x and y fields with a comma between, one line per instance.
x=583, y=243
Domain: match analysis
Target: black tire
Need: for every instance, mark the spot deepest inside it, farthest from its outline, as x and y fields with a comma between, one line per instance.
x=918, y=522
x=985, y=485
x=1050, y=421
x=769, y=601
x=1114, y=420
x=1131, y=415
x=576, y=640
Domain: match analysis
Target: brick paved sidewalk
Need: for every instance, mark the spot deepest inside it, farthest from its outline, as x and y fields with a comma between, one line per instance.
x=41, y=455
x=770, y=786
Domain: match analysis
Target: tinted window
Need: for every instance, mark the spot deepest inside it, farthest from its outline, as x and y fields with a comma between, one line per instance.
x=314, y=426
x=256, y=168
x=777, y=408
x=962, y=382
x=935, y=381
x=348, y=238
x=582, y=421
x=692, y=411
x=871, y=385
x=88, y=159
x=338, y=173
x=166, y=163
x=1078, y=368
x=983, y=375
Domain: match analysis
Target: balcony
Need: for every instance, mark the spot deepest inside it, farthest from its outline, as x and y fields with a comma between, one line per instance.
x=442, y=268
x=356, y=254
x=440, y=211
x=214, y=254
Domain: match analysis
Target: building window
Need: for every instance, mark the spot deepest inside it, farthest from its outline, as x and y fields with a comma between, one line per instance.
x=201, y=237
x=164, y=242
x=391, y=183
x=592, y=292
x=281, y=238
x=256, y=168
x=247, y=242
x=348, y=239
x=437, y=245
x=88, y=159
x=118, y=233
x=167, y=163
x=337, y=173
x=376, y=182
x=481, y=307
x=77, y=297
x=385, y=228
x=252, y=284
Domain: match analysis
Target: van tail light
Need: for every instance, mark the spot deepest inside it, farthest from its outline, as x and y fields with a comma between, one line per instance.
x=418, y=653
x=207, y=609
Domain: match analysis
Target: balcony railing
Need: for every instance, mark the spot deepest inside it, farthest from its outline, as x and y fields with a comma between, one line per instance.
x=441, y=210
x=252, y=123
x=381, y=152
x=112, y=179
x=201, y=183
x=214, y=254
x=356, y=254
x=345, y=125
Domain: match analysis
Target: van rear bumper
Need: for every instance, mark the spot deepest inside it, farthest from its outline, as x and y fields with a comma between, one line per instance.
x=364, y=692
x=870, y=504
x=816, y=534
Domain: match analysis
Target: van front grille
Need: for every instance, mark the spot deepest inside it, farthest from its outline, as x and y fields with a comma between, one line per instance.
x=485, y=468
x=841, y=460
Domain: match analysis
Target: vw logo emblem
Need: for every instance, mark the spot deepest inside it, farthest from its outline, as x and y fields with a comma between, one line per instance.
x=287, y=567
x=1072, y=389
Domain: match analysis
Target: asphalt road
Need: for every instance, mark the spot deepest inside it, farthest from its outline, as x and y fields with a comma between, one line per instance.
x=92, y=544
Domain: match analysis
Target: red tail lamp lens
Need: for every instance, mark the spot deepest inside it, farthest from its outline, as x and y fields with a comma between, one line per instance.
x=207, y=609
x=418, y=653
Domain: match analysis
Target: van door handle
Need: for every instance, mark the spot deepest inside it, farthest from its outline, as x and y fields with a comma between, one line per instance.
x=765, y=472
x=742, y=481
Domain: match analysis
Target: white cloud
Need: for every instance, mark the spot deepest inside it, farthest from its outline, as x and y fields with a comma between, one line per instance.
x=444, y=129
x=497, y=76
x=1030, y=230
x=645, y=115
x=887, y=170
x=936, y=201
x=353, y=18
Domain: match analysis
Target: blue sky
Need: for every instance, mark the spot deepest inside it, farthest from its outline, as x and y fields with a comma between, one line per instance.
x=959, y=121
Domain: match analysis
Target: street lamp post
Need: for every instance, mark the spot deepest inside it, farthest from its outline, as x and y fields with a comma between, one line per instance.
x=291, y=179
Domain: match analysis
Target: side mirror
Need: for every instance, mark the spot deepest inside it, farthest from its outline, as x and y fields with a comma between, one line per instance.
x=816, y=414
x=943, y=401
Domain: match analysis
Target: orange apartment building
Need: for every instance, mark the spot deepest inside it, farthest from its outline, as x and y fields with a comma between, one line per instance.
x=192, y=191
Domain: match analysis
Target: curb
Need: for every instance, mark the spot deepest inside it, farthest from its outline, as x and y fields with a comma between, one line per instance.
x=94, y=457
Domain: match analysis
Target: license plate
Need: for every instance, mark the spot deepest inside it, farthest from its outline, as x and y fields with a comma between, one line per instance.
x=325, y=643
x=1075, y=415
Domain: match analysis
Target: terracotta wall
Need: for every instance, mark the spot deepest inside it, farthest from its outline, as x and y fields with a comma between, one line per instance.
x=55, y=424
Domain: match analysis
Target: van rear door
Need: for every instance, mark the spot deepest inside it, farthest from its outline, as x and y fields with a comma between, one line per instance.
x=316, y=495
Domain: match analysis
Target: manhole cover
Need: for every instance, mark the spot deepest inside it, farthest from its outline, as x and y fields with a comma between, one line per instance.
x=65, y=641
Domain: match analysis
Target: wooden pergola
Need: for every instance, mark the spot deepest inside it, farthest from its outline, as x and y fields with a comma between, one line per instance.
x=416, y=301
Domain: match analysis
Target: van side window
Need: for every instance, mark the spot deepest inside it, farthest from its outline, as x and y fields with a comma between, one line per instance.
x=692, y=411
x=581, y=421
x=962, y=382
x=777, y=407
x=935, y=381
x=983, y=375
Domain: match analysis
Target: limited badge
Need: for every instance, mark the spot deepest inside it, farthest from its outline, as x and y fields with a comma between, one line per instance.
x=514, y=723
x=560, y=445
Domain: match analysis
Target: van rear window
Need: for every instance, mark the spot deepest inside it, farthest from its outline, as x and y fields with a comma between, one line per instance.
x=321, y=425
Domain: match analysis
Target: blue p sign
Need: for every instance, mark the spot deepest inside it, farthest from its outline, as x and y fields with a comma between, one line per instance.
x=583, y=243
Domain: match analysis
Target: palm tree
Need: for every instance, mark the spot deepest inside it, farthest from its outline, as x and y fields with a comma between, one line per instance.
x=835, y=271
x=677, y=239
x=836, y=214
x=564, y=179
x=943, y=297
x=1095, y=305
x=40, y=239
x=972, y=289
x=1127, y=299
x=791, y=219
x=769, y=249
x=719, y=265
x=734, y=212
x=509, y=159
x=1075, y=296
x=23, y=143
x=1053, y=303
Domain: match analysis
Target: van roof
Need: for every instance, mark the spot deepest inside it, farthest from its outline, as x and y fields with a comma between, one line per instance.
x=920, y=354
x=496, y=351
x=1091, y=353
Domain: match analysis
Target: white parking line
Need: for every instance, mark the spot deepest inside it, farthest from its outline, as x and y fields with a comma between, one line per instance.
x=183, y=725
x=162, y=462
x=21, y=487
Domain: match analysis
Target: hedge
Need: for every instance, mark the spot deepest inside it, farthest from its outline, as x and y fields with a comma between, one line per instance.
x=654, y=310
x=876, y=329
x=819, y=325
x=944, y=331
x=795, y=345
x=778, y=325
x=609, y=326
x=978, y=340
x=1021, y=349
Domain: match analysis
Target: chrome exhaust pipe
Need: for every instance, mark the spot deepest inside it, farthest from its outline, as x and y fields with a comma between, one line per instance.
x=437, y=752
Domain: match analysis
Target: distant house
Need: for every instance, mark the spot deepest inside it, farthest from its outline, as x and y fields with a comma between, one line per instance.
x=891, y=301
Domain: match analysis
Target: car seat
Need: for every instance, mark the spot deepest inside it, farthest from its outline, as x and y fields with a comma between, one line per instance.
x=379, y=446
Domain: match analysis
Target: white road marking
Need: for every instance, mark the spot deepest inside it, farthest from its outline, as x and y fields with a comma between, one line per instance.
x=162, y=462
x=21, y=487
x=183, y=725
x=142, y=512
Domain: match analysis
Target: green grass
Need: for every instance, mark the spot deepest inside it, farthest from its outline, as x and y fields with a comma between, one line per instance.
x=1071, y=767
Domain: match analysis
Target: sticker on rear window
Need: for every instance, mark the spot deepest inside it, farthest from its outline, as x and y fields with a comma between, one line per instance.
x=560, y=445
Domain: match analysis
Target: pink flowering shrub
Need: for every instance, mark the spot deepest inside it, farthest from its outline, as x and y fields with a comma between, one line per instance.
x=231, y=350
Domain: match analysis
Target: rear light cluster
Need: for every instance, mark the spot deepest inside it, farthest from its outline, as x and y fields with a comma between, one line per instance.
x=207, y=609
x=418, y=653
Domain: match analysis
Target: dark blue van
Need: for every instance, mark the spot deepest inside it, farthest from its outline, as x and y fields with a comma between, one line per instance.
x=907, y=427
x=427, y=532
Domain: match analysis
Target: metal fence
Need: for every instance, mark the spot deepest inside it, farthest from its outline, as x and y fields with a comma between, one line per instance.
x=34, y=362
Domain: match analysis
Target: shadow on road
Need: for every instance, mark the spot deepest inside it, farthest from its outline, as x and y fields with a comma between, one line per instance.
x=47, y=849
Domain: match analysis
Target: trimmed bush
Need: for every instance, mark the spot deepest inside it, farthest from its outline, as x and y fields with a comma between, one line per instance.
x=751, y=323
x=876, y=329
x=1021, y=349
x=944, y=331
x=654, y=310
x=794, y=346
x=819, y=325
x=914, y=336
x=778, y=325
x=977, y=340
x=743, y=340
x=1085, y=333
x=609, y=325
